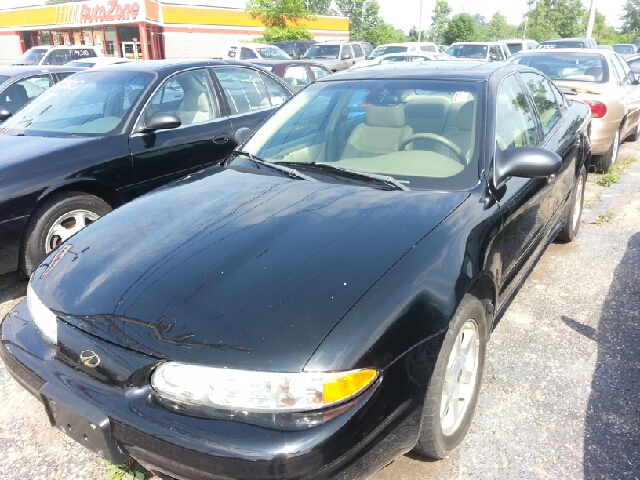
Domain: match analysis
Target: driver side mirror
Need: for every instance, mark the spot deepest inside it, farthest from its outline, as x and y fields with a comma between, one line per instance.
x=4, y=114
x=160, y=121
x=493, y=57
x=525, y=162
x=345, y=56
x=241, y=135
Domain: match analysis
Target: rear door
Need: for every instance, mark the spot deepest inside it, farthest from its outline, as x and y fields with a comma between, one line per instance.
x=203, y=138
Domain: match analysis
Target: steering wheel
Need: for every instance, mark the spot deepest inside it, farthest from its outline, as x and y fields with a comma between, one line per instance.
x=438, y=138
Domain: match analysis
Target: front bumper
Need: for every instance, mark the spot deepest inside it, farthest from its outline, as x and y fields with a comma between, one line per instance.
x=355, y=442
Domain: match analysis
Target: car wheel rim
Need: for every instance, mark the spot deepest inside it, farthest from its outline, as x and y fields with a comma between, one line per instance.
x=460, y=378
x=577, y=208
x=614, y=153
x=67, y=225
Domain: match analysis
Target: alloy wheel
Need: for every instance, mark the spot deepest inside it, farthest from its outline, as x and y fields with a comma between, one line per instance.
x=460, y=381
x=67, y=225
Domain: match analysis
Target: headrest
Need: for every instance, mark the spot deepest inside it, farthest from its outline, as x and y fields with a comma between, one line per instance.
x=465, y=116
x=391, y=117
x=427, y=107
x=595, y=72
x=16, y=93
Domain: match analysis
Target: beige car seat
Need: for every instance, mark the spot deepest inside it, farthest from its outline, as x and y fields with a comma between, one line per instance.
x=382, y=132
x=462, y=134
x=427, y=114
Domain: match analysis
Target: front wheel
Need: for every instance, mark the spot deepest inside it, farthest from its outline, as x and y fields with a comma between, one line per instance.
x=453, y=390
x=54, y=221
x=574, y=210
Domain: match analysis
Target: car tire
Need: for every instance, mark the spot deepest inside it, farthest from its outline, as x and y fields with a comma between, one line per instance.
x=604, y=162
x=633, y=136
x=453, y=389
x=574, y=210
x=54, y=221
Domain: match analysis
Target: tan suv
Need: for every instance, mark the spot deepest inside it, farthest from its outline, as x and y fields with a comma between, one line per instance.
x=336, y=56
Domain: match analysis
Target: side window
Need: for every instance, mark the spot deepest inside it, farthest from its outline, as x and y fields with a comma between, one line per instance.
x=276, y=91
x=545, y=100
x=515, y=124
x=635, y=65
x=345, y=52
x=18, y=94
x=628, y=74
x=189, y=95
x=428, y=48
x=617, y=69
x=319, y=72
x=247, y=53
x=243, y=89
x=560, y=100
x=63, y=75
x=394, y=59
x=58, y=57
x=297, y=75
x=80, y=53
x=290, y=48
x=358, y=50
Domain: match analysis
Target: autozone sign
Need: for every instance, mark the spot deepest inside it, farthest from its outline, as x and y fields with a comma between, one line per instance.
x=109, y=11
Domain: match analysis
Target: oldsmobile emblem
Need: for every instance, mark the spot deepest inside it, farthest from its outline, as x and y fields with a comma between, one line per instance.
x=90, y=358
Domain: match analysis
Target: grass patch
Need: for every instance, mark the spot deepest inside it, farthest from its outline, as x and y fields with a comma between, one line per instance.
x=604, y=218
x=126, y=471
x=627, y=162
x=611, y=177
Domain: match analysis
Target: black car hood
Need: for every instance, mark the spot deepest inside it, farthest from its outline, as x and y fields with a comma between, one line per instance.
x=235, y=269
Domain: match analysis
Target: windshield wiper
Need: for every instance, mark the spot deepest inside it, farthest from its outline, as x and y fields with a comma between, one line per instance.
x=384, y=179
x=274, y=166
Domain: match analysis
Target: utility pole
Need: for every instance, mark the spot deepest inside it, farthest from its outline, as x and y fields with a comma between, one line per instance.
x=592, y=18
x=420, y=22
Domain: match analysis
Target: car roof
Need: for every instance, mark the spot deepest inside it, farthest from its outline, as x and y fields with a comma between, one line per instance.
x=266, y=61
x=166, y=66
x=465, y=70
x=478, y=43
x=21, y=70
x=547, y=51
x=582, y=39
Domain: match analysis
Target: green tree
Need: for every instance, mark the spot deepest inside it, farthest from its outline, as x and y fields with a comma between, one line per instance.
x=556, y=19
x=280, y=17
x=413, y=34
x=631, y=17
x=319, y=7
x=461, y=28
x=439, y=22
x=365, y=22
x=498, y=28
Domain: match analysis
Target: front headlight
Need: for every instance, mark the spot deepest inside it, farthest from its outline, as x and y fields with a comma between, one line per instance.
x=252, y=391
x=44, y=319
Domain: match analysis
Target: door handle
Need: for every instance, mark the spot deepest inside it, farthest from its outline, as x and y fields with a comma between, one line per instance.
x=220, y=139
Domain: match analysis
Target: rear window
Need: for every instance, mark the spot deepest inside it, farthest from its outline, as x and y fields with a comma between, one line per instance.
x=575, y=67
x=428, y=48
x=514, y=47
x=563, y=44
x=382, y=50
x=624, y=49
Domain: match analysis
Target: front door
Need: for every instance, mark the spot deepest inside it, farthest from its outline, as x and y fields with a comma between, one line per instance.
x=132, y=50
x=203, y=138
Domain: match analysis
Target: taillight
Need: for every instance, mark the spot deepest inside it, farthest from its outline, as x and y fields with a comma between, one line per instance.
x=598, y=109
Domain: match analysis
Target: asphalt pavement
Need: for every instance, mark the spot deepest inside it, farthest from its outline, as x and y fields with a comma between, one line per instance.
x=561, y=391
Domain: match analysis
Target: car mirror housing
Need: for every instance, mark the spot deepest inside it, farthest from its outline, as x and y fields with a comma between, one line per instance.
x=241, y=135
x=346, y=56
x=4, y=114
x=525, y=162
x=160, y=121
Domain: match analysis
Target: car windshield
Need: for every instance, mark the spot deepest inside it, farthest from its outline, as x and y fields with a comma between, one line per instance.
x=273, y=53
x=383, y=50
x=85, y=104
x=468, y=51
x=562, y=44
x=323, y=51
x=625, y=49
x=31, y=56
x=422, y=133
x=575, y=67
x=515, y=47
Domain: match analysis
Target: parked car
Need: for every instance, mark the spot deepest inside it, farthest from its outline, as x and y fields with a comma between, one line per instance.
x=336, y=56
x=320, y=303
x=32, y=56
x=251, y=51
x=603, y=80
x=294, y=48
x=634, y=63
x=403, y=57
x=107, y=135
x=20, y=85
x=63, y=54
x=98, y=62
x=569, y=43
x=442, y=48
x=297, y=73
x=406, y=47
x=605, y=47
x=479, y=50
x=625, y=49
x=516, y=45
x=366, y=47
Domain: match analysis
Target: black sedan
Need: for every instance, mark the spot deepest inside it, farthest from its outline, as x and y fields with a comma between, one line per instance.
x=108, y=135
x=20, y=85
x=320, y=303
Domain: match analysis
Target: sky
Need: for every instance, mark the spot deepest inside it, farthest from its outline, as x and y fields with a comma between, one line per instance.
x=407, y=15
